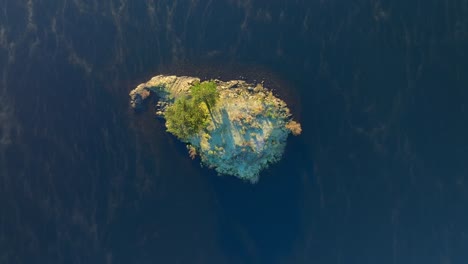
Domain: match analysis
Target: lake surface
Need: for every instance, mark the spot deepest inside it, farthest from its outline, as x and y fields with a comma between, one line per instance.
x=379, y=174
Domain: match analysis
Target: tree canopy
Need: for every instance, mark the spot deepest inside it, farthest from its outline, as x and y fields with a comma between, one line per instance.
x=185, y=118
x=205, y=92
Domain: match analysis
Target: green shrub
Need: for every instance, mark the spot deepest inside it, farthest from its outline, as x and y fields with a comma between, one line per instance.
x=185, y=118
x=205, y=92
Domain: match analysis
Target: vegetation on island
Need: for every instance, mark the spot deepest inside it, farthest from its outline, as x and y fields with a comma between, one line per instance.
x=294, y=127
x=247, y=130
x=187, y=116
x=205, y=92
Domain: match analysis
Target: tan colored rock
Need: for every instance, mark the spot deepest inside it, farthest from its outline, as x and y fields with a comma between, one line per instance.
x=248, y=130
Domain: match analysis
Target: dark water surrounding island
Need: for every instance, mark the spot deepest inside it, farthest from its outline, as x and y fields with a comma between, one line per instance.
x=379, y=175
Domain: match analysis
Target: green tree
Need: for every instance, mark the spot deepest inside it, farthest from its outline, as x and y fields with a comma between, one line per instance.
x=207, y=93
x=185, y=118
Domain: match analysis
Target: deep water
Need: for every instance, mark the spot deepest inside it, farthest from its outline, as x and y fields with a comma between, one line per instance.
x=379, y=174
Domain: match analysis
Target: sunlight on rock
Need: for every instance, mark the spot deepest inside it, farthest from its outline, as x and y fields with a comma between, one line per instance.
x=246, y=130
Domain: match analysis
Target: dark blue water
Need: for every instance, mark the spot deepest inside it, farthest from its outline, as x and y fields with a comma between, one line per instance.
x=379, y=174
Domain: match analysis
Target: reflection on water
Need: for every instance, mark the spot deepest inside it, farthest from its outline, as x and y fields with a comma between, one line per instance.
x=377, y=176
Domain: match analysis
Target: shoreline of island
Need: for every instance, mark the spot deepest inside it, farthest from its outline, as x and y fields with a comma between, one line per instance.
x=247, y=129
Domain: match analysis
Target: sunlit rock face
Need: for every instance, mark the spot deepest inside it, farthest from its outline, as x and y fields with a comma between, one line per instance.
x=246, y=133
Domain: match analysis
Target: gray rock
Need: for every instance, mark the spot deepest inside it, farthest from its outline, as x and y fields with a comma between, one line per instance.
x=248, y=131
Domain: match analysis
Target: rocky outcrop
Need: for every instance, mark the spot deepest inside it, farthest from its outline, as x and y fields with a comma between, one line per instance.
x=246, y=133
x=165, y=87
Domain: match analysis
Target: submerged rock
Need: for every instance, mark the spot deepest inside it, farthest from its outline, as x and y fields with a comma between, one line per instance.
x=246, y=132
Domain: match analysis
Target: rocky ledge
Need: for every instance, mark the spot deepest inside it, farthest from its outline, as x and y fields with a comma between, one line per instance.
x=247, y=130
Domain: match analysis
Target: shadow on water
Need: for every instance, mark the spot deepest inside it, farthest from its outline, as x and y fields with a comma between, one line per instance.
x=385, y=93
x=261, y=222
x=257, y=222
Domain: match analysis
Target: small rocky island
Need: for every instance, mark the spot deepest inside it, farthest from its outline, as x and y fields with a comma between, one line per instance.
x=236, y=128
